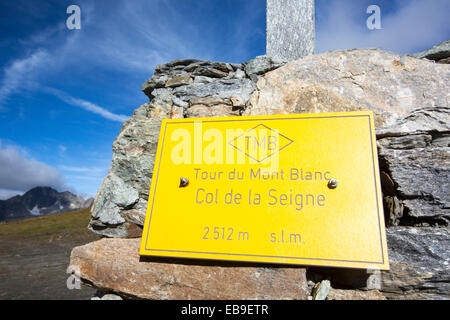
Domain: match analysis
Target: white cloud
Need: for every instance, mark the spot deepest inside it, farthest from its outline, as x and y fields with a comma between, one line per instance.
x=414, y=25
x=19, y=173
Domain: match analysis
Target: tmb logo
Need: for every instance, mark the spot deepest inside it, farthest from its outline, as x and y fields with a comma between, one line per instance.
x=260, y=143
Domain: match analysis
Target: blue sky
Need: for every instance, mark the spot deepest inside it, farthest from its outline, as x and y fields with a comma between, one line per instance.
x=64, y=94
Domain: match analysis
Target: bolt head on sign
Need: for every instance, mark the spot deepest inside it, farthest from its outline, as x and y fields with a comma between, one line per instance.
x=292, y=189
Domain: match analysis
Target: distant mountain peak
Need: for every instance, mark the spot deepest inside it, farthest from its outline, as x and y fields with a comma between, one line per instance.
x=40, y=201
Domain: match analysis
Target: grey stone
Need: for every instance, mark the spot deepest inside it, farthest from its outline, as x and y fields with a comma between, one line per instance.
x=193, y=66
x=160, y=92
x=99, y=295
x=108, y=230
x=180, y=102
x=209, y=101
x=114, y=195
x=436, y=53
x=239, y=74
x=128, y=182
x=241, y=88
x=261, y=65
x=406, y=142
x=170, y=66
x=421, y=176
x=290, y=29
x=202, y=79
x=155, y=82
x=419, y=260
x=210, y=72
x=441, y=140
x=220, y=110
x=435, y=117
x=321, y=291
x=177, y=112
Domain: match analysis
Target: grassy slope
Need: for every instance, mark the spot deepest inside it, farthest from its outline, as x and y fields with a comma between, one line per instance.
x=72, y=223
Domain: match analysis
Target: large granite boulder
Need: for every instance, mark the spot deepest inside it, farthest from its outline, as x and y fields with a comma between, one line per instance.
x=115, y=265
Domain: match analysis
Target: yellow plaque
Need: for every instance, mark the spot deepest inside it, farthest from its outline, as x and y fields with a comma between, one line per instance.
x=292, y=189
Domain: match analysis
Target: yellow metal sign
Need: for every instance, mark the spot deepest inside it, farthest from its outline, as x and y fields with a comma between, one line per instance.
x=294, y=189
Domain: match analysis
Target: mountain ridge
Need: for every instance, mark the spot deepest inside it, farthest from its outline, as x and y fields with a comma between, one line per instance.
x=40, y=201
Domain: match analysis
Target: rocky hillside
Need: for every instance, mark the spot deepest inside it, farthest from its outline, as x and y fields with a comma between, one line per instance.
x=409, y=97
x=40, y=201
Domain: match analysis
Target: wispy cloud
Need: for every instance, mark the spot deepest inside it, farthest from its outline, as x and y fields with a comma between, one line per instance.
x=23, y=71
x=93, y=171
x=19, y=71
x=62, y=148
x=86, y=105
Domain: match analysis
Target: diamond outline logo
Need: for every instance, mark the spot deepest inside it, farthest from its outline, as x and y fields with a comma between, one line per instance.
x=261, y=125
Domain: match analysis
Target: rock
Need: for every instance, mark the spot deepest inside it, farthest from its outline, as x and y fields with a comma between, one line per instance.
x=421, y=173
x=444, y=61
x=179, y=81
x=321, y=290
x=208, y=101
x=128, y=182
x=106, y=296
x=405, y=93
x=406, y=142
x=261, y=65
x=419, y=260
x=436, y=53
x=114, y=195
x=155, y=82
x=202, y=111
x=241, y=88
x=210, y=72
x=179, y=64
x=202, y=79
x=239, y=74
x=237, y=102
x=339, y=294
x=177, y=112
x=114, y=265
